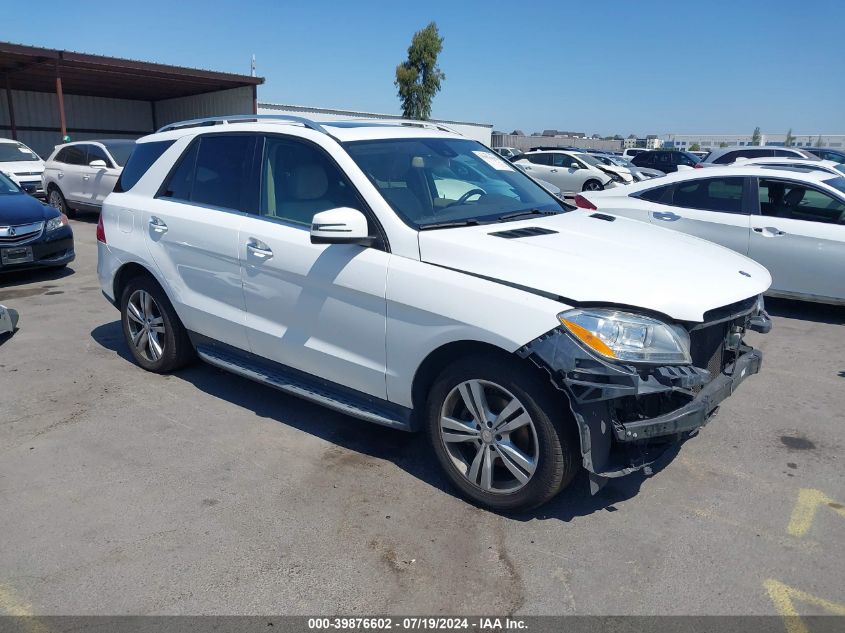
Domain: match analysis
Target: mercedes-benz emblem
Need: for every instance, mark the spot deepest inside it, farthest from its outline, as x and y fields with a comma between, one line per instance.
x=742, y=272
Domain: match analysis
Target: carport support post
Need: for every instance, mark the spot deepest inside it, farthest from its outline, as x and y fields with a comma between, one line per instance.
x=61, y=97
x=11, y=109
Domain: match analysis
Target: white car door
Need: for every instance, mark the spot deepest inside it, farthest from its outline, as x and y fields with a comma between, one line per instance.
x=800, y=237
x=316, y=308
x=98, y=181
x=710, y=208
x=191, y=231
x=539, y=165
x=69, y=172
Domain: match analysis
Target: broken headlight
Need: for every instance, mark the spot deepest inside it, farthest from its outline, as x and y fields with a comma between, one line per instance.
x=628, y=337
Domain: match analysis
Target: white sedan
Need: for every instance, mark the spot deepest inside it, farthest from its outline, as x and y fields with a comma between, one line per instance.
x=791, y=220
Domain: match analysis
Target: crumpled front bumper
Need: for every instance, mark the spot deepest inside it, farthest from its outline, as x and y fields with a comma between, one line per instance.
x=697, y=412
x=629, y=416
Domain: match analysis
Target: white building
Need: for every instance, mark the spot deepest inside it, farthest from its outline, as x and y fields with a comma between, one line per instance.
x=479, y=131
x=712, y=141
x=652, y=141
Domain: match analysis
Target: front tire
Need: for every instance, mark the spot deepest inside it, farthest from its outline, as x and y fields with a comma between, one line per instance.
x=56, y=199
x=503, y=437
x=592, y=185
x=155, y=335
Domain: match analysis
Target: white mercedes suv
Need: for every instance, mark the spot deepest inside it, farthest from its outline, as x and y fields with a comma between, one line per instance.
x=327, y=260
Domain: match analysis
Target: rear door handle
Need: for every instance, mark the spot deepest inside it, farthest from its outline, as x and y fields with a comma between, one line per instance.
x=158, y=225
x=258, y=248
x=554, y=171
x=666, y=216
x=86, y=177
x=769, y=231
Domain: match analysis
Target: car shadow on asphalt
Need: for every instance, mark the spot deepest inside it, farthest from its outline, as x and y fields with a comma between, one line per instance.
x=806, y=311
x=408, y=451
x=33, y=276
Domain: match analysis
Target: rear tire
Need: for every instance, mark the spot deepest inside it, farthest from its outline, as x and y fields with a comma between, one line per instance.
x=156, y=337
x=516, y=455
x=592, y=185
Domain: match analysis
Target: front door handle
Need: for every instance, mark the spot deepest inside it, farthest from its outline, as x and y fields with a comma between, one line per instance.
x=157, y=225
x=554, y=171
x=86, y=177
x=769, y=231
x=666, y=216
x=258, y=248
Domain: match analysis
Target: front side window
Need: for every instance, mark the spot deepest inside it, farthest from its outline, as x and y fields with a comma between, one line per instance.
x=215, y=171
x=563, y=160
x=95, y=152
x=299, y=180
x=711, y=194
x=785, y=199
x=425, y=180
x=13, y=152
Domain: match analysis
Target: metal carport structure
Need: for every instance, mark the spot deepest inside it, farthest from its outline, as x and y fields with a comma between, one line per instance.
x=46, y=94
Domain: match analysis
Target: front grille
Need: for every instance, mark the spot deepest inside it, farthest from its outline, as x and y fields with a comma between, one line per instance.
x=20, y=233
x=27, y=173
x=707, y=347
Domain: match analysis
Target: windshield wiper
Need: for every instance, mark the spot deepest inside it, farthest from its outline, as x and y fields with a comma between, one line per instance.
x=526, y=212
x=451, y=223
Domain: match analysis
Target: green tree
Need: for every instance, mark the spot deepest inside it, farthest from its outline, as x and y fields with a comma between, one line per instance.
x=790, y=140
x=819, y=141
x=756, y=137
x=723, y=144
x=418, y=78
x=695, y=147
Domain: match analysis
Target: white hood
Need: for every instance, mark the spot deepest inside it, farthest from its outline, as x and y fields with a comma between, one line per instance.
x=11, y=168
x=623, y=262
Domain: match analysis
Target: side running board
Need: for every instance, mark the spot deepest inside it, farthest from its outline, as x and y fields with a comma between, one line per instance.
x=294, y=383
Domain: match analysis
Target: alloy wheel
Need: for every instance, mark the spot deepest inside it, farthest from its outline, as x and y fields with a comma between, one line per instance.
x=146, y=325
x=55, y=199
x=593, y=186
x=489, y=436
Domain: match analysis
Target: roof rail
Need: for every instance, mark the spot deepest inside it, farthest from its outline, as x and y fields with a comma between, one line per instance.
x=427, y=124
x=243, y=118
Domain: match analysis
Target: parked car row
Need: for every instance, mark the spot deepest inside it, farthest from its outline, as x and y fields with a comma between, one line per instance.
x=789, y=216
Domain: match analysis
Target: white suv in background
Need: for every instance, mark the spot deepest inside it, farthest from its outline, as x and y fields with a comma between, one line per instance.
x=323, y=259
x=78, y=176
x=22, y=165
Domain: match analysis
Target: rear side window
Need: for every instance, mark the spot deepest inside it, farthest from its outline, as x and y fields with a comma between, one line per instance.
x=141, y=159
x=215, y=171
x=539, y=159
x=72, y=155
x=731, y=157
x=641, y=159
x=654, y=195
x=711, y=194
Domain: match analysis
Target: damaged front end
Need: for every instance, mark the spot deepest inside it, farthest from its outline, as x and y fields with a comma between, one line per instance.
x=629, y=414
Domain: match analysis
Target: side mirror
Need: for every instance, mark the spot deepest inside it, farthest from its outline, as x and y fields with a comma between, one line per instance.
x=99, y=163
x=343, y=225
x=575, y=166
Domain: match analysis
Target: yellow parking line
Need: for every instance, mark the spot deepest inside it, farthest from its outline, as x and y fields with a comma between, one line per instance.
x=809, y=500
x=783, y=597
x=11, y=605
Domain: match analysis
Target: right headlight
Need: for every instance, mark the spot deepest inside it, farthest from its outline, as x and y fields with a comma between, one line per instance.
x=628, y=337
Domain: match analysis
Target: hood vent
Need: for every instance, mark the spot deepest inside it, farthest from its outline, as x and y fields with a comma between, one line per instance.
x=602, y=216
x=528, y=231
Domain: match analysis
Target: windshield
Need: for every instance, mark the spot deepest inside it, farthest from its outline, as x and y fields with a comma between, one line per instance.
x=840, y=167
x=6, y=185
x=431, y=181
x=11, y=152
x=120, y=151
x=837, y=183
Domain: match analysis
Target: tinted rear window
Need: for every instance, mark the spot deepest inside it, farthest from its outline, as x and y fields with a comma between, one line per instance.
x=141, y=159
x=215, y=171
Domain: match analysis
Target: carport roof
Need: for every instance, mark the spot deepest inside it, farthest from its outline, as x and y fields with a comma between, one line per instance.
x=34, y=68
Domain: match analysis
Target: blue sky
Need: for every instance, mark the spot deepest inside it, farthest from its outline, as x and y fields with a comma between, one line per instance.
x=651, y=66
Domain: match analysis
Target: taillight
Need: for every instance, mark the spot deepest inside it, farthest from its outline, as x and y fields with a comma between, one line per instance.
x=582, y=203
x=101, y=231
